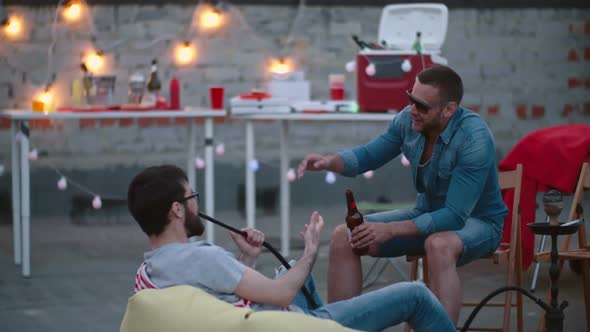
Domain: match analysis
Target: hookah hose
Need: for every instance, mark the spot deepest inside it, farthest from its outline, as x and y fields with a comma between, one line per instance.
x=528, y=294
x=265, y=244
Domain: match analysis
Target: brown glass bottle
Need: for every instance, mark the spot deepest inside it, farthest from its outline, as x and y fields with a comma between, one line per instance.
x=353, y=218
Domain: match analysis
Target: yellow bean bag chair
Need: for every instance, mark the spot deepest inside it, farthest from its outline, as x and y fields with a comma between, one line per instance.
x=186, y=308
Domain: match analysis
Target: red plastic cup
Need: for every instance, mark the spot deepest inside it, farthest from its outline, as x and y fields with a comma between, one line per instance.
x=336, y=86
x=336, y=93
x=216, y=97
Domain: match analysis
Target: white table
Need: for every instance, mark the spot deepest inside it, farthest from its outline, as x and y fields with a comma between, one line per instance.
x=21, y=205
x=284, y=119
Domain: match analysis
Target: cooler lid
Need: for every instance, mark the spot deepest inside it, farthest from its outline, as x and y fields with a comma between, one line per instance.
x=399, y=24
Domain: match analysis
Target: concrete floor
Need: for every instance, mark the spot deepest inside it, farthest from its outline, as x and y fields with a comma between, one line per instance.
x=83, y=275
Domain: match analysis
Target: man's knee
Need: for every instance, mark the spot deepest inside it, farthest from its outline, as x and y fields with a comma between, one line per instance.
x=340, y=237
x=443, y=245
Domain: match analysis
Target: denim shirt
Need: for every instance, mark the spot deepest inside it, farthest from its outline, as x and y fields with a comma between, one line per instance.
x=464, y=175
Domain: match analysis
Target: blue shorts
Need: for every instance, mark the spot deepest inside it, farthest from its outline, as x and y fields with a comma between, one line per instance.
x=480, y=238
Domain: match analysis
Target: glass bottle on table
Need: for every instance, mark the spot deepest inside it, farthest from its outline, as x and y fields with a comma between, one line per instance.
x=354, y=218
x=154, y=85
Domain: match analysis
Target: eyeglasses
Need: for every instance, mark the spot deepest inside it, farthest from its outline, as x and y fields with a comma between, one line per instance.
x=422, y=106
x=193, y=195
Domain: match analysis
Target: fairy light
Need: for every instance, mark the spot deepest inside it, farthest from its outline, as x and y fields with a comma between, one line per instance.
x=185, y=53
x=43, y=101
x=281, y=66
x=330, y=178
x=94, y=61
x=211, y=18
x=253, y=165
x=73, y=11
x=199, y=163
x=291, y=176
x=13, y=26
x=220, y=149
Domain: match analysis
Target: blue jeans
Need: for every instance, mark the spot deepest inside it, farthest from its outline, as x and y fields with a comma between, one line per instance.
x=410, y=302
x=480, y=238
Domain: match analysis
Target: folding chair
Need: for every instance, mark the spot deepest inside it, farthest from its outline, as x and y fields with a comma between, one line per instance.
x=509, y=254
x=582, y=253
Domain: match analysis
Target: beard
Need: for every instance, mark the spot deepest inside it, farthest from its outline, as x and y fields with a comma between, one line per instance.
x=193, y=224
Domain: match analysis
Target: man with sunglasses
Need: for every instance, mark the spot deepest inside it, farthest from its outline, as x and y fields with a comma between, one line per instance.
x=167, y=210
x=459, y=212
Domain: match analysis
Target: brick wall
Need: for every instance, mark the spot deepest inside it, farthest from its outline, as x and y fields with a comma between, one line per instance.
x=523, y=69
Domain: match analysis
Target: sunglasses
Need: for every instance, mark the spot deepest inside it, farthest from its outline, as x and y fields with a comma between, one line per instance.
x=193, y=195
x=422, y=106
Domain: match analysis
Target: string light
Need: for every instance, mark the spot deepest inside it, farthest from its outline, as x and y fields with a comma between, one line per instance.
x=220, y=149
x=43, y=101
x=13, y=26
x=94, y=61
x=253, y=165
x=330, y=178
x=33, y=154
x=406, y=66
x=291, y=175
x=199, y=163
x=96, y=202
x=281, y=66
x=350, y=66
x=62, y=184
x=370, y=69
x=211, y=18
x=185, y=54
x=368, y=174
x=73, y=11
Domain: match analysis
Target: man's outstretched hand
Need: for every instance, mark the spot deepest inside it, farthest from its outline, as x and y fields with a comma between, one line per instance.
x=311, y=233
x=312, y=162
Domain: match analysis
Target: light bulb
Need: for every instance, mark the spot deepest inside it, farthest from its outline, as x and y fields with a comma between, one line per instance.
x=73, y=11
x=199, y=163
x=13, y=26
x=253, y=166
x=368, y=174
x=220, y=149
x=46, y=97
x=94, y=61
x=330, y=178
x=405, y=161
x=406, y=66
x=18, y=137
x=33, y=154
x=291, y=175
x=185, y=54
x=280, y=66
x=350, y=66
x=211, y=18
x=62, y=184
x=370, y=70
x=96, y=202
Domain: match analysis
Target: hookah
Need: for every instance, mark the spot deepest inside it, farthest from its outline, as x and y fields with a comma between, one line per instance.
x=554, y=316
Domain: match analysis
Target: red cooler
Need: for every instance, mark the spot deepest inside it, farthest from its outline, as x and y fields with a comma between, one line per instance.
x=384, y=75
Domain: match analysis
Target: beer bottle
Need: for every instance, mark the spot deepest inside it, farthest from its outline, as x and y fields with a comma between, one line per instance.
x=353, y=218
x=154, y=84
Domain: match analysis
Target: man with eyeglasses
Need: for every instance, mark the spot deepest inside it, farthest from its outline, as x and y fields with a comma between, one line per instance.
x=459, y=212
x=167, y=210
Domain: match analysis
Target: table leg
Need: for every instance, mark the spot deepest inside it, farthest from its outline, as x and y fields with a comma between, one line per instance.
x=209, y=178
x=285, y=190
x=25, y=200
x=190, y=163
x=250, y=179
x=16, y=211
